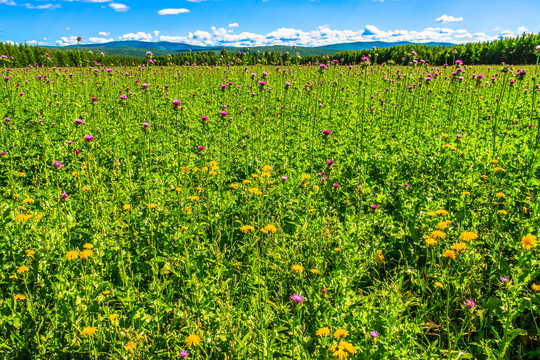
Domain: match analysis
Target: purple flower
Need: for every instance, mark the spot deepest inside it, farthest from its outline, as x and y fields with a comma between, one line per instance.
x=79, y=122
x=323, y=179
x=330, y=162
x=123, y=97
x=336, y=186
x=405, y=184
x=327, y=132
x=64, y=195
x=57, y=164
x=284, y=178
x=184, y=354
x=297, y=298
x=94, y=99
x=537, y=47
x=145, y=85
x=3, y=153
x=262, y=83
x=176, y=103
x=504, y=279
x=201, y=148
x=145, y=125
x=374, y=207
x=323, y=67
x=470, y=304
x=7, y=119
x=223, y=113
x=324, y=291
x=374, y=334
x=89, y=138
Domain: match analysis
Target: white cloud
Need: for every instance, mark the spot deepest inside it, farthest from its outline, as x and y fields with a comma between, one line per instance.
x=98, y=40
x=522, y=29
x=233, y=25
x=137, y=36
x=64, y=40
x=103, y=33
x=119, y=7
x=7, y=2
x=172, y=11
x=196, y=1
x=42, y=7
x=89, y=1
x=447, y=19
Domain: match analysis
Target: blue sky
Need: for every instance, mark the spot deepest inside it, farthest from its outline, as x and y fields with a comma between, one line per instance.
x=264, y=22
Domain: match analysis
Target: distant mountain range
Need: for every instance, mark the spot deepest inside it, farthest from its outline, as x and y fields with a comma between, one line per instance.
x=164, y=48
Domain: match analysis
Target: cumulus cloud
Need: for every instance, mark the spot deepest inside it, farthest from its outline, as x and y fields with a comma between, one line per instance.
x=137, y=36
x=8, y=2
x=233, y=25
x=447, y=19
x=172, y=11
x=64, y=40
x=90, y=1
x=42, y=7
x=98, y=40
x=36, y=42
x=119, y=7
x=103, y=33
x=522, y=29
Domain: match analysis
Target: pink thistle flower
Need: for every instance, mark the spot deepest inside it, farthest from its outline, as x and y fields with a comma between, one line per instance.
x=297, y=298
x=89, y=138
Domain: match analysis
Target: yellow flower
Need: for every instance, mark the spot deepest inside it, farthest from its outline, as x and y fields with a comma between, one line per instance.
x=500, y=195
x=28, y=201
x=187, y=211
x=23, y=269
x=442, y=225
x=254, y=176
x=267, y=168
x=314, y=271
x=323, y=332
x=212, y=172
x=449, y=254
x=438, y=284
x=233, y=186
x=306, y=176
x=19, y=297
x=130, y=346
x=379, y=258
x=75, y=173
x=265, y=175
x=347, y=346
x=246, y=182
x=185, y=169
x=528, y=241
x=15, y=196
x=126, y=207
x=340, y=333
x=340, y=354
x=495, y=161
x=89, y=331
x=30, y=253
x=298, y=268
x=441, y=212
x=194, y=198
x=466, y=193
x=431, y=213
x=269, y=228
x=534, y=287
x=72, y=255
x=151, y=206
x=204, y=169
x=193, y=340
x=484, y=176
x=444, y=135
x=13, y=277
x=496, y=169
x=199, y=189
x=88, y=246
x=316, y=187
x=113, y=317
x=247, y=228
x=86, y=188
x=469, y=236
x=503, y=212
x=38, y=217
x=85, y=254
x=255, y=191
x=105, y=292
x=177, y=189
x=437, y=234
x=337, y=249
x=21, y=174
x=459, y=246
x=213, y=163
x=430, y=241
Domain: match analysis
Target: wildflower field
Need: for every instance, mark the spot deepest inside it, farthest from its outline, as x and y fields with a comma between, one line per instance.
x=270, y=212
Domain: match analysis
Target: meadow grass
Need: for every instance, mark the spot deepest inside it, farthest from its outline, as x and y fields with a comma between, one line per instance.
x=262, y=212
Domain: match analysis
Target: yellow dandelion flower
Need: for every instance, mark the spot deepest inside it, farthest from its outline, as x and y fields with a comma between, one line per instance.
x=466, y=193
x=254, y=176
x=442, y=225
x=255, y=191
x=441, y=212
x=497, y=169
x=247, y=228
x=86, y=188
x=212, y=163
x=246, y=182
x=269, y=228
x=72, y=255
x=528, y=242
x=270, y=182
x=177, y=189
x=430, y=241
x=314, y=271
x=193, y=340
x=89, y=331
x=21, y=174
x=265, y=175
x=30, y=253
x=199, y=189
x=306, y=176
x=19, y=297
x=151, y=206
x=23, y=269
x=469, y=236
x=75, y=173
x=204, y=169
x=88, y=246
x=126, y=207
x=233, y=186
x=185, y=169
x=316, y=187
x=437, y=234
x=449, y=254
x=113, y=317
x=13, y=277
x=484, y=176
x=298, y=268
x=535, y=287
x=85, y=254
x=194, y=198
x=340, y=354
x=459, y=246
x=525, y=209
x=500, y=195
x=38, y=217
x=212, y=172
x=379, y=258
x=347, y=346
x=105, y=292
x=340, y=333
x=528, y=198
x=503, y=212
x=28, y=201
x=439, y=284
x=337, y=249
x=267, y=168
x=130, y=346
x=431, y=213
x=187, y=211
x=322, y=332
x=444, y=135
x=495, y=161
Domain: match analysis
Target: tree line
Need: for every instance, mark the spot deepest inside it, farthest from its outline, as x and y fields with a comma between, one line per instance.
x=515, y=50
